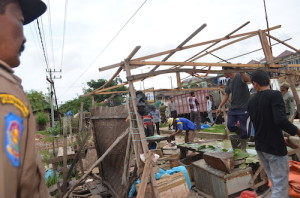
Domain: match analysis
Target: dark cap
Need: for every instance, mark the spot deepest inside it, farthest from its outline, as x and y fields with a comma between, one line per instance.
x=32, y=9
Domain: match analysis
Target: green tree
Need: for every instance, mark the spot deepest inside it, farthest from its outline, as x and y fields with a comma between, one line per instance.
x=115, y=99
x=106, y=99
x=38, y=100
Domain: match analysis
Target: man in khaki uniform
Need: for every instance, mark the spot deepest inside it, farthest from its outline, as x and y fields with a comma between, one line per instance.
x=21, y=171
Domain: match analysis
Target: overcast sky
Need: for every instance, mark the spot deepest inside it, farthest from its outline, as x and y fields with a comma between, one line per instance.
x=159, y=25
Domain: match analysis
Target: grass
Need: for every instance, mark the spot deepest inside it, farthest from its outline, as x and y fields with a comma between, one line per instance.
x=43, y=133
x=215, y=129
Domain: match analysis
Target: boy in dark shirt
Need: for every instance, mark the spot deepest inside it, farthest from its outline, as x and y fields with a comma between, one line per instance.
x=267, y=112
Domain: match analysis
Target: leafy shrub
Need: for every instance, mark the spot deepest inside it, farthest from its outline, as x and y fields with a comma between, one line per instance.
x=42, y=119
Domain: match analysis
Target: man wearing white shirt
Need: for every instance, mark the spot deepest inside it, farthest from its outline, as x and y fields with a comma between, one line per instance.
x=209, y=109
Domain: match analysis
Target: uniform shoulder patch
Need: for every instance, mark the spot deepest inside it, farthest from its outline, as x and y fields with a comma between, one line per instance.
x=12, y=137
x=11, y=99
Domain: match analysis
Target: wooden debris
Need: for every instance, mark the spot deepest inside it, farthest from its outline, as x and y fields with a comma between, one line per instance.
x=222, y=161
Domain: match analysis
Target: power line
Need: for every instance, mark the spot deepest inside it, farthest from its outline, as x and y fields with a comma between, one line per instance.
x=37, y=46
x=44, y=38
x=105, y=47
x=50, y=32
x=64, y=31
x=41, y=39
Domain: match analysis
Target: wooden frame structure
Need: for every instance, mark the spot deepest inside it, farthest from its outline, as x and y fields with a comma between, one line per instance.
x=129, y=63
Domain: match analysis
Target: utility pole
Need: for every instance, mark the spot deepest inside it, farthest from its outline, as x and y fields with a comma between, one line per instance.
x=50, y=79
x=171, y=82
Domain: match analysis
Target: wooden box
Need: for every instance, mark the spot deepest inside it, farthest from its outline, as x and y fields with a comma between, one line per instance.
x=173, y=186
x=219, y=184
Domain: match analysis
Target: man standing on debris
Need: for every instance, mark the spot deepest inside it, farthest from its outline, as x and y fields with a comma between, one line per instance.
x=288, y=100
x=209, y=109
x=188, y=126
x=194, y=109
x=267, y=112
x=237, y=113
x=21, y=171
x=172, y=109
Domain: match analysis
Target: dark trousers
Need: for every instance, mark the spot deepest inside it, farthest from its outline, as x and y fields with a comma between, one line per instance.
x=235, y=115
x=195, y=118
x=157, y=128
x=174, y=116
x=149, y=130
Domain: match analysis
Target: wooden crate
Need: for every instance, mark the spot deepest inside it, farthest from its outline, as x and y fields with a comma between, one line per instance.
x=173, y=186
x=219, y=184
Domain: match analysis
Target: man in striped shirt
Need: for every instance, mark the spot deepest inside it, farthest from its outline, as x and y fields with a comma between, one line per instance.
x=194, y=109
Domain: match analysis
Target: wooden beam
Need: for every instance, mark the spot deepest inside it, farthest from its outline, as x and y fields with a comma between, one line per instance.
x=266, y=48
x=203, y=43
x=197, y=64
x=282, y=42
x=222, y=46
x=186, y=47
x=182, y=44
x=234, y=31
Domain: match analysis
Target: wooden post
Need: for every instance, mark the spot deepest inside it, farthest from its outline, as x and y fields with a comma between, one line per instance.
x=291, y=80
x=266, y=47
x=148, y=171
x=178, y=80
x=93, y=101
x=80, y=117
x=65, y=170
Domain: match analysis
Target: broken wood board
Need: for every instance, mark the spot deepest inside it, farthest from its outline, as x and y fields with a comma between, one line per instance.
x=222, y=161
x=173, y=186
x=60, y=153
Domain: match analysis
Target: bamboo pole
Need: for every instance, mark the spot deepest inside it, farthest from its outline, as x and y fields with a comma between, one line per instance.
x=97, y=162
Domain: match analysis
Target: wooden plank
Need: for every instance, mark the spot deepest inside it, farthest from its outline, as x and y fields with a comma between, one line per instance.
x=108, y=117
x=97, y=162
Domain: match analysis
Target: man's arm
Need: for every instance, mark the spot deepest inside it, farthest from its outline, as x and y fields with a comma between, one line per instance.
x=225, y=99
x=245, y=77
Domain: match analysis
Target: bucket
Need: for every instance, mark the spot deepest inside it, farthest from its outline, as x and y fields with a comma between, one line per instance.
x=235, y=142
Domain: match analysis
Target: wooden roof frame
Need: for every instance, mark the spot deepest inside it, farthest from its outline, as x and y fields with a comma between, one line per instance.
x=269, y=66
